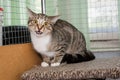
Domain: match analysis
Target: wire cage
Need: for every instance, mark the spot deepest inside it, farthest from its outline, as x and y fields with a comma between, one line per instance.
x=98, y=20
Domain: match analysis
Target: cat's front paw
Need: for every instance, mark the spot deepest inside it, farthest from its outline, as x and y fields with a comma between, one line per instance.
x=44, y=64
x=55, y=64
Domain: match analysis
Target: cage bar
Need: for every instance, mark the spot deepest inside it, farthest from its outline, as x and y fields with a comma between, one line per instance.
x=43, y=6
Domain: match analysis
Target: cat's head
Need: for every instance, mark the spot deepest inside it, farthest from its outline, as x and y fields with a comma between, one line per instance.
x=40, y=24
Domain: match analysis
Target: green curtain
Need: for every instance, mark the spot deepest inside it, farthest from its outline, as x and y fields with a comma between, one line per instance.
x=51, y=7
x=15, y=11
x=74, y=11
x=7, y=12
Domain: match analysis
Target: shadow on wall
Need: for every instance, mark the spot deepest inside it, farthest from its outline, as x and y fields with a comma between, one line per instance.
x=107, y=54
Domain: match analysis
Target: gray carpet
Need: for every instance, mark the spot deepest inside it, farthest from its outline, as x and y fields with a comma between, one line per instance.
x=98, y=68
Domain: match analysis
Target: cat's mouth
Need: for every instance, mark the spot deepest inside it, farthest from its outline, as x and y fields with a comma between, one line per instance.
x=38, y=32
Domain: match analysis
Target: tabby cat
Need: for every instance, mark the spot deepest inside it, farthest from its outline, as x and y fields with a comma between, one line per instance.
x=57, y=40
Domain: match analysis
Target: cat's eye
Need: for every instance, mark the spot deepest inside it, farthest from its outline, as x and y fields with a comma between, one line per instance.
x=34, y=21
x=45, y=23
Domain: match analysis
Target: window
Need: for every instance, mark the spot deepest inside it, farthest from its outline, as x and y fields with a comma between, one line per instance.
x=103, y=24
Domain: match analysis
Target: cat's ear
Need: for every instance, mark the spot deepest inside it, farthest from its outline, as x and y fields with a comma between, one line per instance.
x=53, y=19
x=30, y=13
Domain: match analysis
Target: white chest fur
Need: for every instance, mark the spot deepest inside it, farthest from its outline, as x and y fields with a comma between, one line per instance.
x=41, y=44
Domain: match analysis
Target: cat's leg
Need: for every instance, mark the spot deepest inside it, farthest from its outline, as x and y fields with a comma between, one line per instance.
x=46, y=61
x=56, y=61
x=44, y=64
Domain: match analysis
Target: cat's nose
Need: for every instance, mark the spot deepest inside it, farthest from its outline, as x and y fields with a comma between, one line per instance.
x=38, y=32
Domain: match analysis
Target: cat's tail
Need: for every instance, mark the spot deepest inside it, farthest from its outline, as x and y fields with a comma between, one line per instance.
x=80, y=57
x=89, y=55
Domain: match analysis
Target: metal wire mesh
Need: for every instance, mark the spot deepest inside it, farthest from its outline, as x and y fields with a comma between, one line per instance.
x=104, y=24
x=15, y=35
x=97, y=19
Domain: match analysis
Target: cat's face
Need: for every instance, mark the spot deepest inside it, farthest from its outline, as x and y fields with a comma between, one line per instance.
x=41, y=24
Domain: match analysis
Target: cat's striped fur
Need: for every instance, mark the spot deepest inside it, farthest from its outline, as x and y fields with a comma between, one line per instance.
x=57, y=40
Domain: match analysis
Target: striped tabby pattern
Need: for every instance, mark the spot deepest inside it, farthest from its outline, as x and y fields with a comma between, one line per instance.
x=57, y=40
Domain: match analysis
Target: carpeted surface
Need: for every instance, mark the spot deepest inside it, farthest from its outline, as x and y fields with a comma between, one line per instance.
x=98, y=68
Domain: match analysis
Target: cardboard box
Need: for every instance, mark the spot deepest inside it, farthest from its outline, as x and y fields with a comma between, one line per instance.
x=15, y=59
